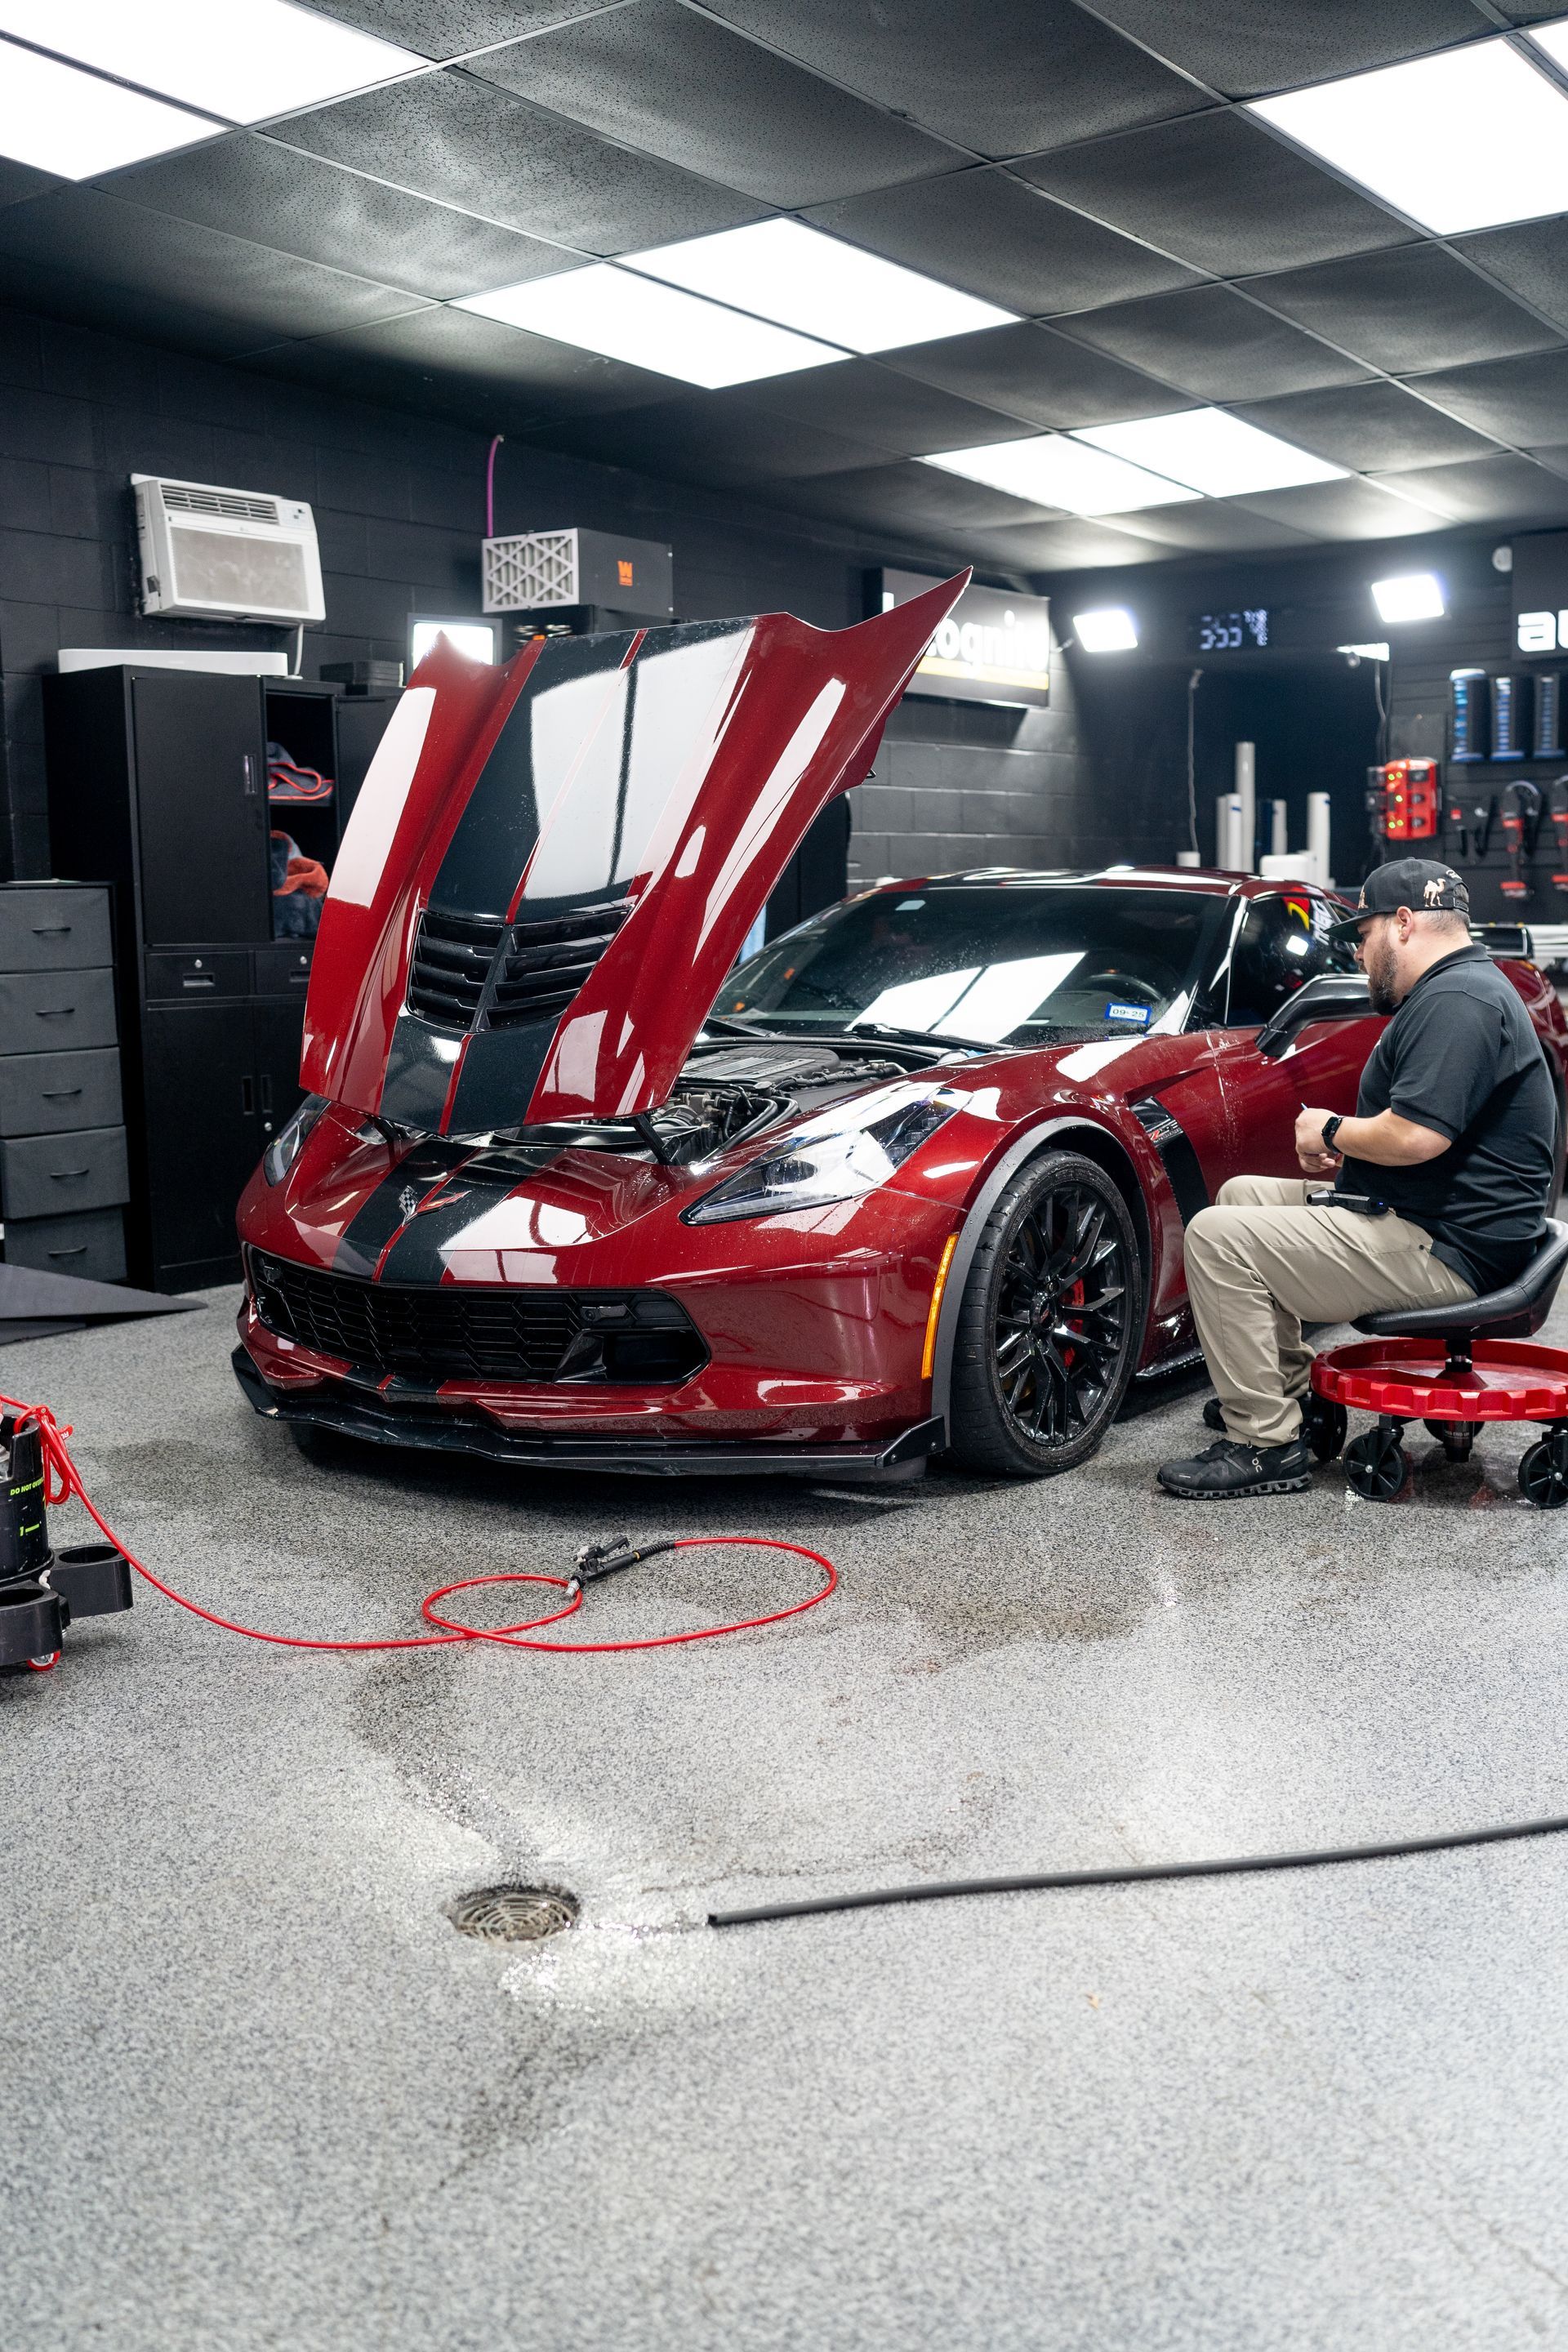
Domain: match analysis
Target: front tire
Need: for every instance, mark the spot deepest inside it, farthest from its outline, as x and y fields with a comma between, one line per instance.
x=1049, y=1323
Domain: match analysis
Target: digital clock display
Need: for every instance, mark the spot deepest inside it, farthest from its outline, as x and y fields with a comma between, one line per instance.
x=1229, y=633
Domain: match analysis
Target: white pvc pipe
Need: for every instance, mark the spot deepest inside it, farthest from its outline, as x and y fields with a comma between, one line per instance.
x=1222, y=830
x=1247, y=793
x=1279, y=837
x=1318, y=832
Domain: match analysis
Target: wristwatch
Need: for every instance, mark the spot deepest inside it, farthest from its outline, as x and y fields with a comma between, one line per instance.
x=1331, y=1127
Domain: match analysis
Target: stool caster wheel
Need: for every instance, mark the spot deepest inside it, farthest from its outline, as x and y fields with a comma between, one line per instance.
x=1543, y=1472
x=1324, y=1425
x=1376, y=1465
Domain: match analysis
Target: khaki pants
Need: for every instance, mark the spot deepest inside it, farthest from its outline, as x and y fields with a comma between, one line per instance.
x=1261, y=1264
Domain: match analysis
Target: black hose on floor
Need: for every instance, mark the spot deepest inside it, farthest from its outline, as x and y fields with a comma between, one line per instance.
x=1133, y=1873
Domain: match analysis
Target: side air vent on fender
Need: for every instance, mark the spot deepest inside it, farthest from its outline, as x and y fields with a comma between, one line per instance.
x=1169, y=1139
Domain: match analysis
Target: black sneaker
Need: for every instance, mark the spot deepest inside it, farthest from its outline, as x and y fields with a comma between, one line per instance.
x=1228, y=1469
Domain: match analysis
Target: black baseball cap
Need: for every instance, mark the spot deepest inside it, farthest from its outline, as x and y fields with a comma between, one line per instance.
x=1422, y=883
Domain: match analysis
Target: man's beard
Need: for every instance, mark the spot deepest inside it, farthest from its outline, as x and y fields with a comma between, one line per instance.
x=1377, y=961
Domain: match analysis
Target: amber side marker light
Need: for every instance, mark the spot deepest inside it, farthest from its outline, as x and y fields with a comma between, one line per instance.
x=929, y=1357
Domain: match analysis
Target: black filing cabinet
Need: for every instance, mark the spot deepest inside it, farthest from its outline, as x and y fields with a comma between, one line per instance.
x=64, y=1172
x=158, y=785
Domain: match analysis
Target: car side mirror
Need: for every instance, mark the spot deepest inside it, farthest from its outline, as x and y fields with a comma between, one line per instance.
x=1332, y=996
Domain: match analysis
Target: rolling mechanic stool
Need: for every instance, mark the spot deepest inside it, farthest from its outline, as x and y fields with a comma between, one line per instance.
x=1428, y=1363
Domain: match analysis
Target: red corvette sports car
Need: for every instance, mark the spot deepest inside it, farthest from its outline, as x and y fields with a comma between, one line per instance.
x=572, y=1189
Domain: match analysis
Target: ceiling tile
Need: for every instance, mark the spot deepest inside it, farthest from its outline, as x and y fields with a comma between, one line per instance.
x=1350, y=509
x=1218, y=190
x=1212, y=527
x=1373, y=428
x=716, y=437
x=460, y=364
x=1408, y=310
x=277, y=197
x=674, y=84
x=473, y=144
x=1554, y=458
x=251, y=294
x=1279, y=44
x=1074, y=545
x=448, y=28
x=1213, y=343
x=994, y=237
x=1015, y=75
x=19, y=181
x=914, y=497
x=1032, y=373
x=878, y=405
x=1531, y=260
x=1524, y=400
x=1500, y=488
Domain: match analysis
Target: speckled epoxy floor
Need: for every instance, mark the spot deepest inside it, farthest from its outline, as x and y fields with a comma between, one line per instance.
x=260, y=2092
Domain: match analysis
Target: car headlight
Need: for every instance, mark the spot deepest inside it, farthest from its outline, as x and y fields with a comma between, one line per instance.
x=848, y=1151
x=289, y=1141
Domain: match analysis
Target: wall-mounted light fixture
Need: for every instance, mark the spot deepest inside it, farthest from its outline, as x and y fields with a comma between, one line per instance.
x=475, y=638
x=1111, y=629
x=1409, y=596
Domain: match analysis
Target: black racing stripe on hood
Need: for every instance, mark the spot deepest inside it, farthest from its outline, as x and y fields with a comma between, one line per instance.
x=407, y=1181
x=393, y=1216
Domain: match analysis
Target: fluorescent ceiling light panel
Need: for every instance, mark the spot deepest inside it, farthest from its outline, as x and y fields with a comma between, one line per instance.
x=61, y=120
x=820, y=285
x=244, y=59
x=1110, y=630
x=602, y=309
x=1206, y=450
x=1467, y=139
x=1052, y=471
x=1410, y=596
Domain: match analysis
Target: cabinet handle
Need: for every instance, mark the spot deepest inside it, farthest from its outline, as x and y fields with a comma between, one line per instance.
x=61, y=1175
x=247, y=770
x=265, y=1093
x=80, y=1251
x=247, y=1096
x=55, y=1012
x=59, y=1094
x=50, y=931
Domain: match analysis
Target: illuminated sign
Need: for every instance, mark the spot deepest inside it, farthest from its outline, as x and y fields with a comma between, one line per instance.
x=1230, y=633
x=994, y=646
x=1541, y=592
x=1542, y=632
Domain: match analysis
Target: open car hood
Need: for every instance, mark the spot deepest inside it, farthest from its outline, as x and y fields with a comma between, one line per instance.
x=551, y=867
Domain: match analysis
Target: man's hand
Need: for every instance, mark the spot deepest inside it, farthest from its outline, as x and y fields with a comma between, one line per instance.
x=1310, y=1156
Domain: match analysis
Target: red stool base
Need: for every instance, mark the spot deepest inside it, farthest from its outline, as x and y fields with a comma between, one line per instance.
x=1511, y=1380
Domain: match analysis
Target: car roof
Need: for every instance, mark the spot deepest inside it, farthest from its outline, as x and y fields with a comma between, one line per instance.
x=1206, y=881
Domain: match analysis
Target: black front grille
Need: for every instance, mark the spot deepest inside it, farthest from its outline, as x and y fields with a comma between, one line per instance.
x=471, y=970
x=546, y=963
x=452, y=959
x=454, y=1332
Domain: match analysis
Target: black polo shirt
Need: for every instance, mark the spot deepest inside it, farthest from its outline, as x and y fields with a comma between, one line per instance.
x=1461, y=1056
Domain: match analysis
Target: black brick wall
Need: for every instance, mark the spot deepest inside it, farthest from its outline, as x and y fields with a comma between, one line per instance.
x=399, y=507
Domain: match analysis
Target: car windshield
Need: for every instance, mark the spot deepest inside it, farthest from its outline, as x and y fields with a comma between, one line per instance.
x=990, y=964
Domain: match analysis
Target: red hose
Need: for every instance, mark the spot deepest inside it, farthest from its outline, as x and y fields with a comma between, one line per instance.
x=62, y=1480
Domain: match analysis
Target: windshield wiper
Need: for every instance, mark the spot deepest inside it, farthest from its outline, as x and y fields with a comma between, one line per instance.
x=897, y=1036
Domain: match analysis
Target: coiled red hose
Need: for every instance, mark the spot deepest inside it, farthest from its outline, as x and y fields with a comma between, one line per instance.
x=63, y=1481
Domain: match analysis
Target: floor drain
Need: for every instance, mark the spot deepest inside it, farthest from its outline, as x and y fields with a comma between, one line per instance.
x=512, y=1915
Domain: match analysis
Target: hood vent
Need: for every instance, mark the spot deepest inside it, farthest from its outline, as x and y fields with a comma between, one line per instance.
x=472, y=971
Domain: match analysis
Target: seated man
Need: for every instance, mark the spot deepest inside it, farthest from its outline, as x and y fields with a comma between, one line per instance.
x=1441, y=1182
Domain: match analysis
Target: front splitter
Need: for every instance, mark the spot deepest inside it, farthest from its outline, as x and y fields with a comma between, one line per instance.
x=888, y=1462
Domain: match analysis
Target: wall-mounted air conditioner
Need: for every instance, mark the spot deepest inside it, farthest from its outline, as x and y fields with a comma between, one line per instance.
x=213, y=554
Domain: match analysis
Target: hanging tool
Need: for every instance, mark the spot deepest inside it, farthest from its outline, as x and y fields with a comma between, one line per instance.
x=1520, y=822
x=1557, y=802
x=1408, y=790
x=1469, y=817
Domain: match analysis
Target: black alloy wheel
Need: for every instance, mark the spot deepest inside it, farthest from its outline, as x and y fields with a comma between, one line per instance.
x=1377, y=1465
x=1049, y=1322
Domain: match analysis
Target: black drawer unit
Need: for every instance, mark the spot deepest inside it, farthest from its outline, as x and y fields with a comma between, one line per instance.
x=64, y=1172
x=159, y=788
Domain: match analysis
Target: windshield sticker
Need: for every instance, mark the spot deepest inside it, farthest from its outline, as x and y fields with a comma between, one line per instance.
x=1139, y=1013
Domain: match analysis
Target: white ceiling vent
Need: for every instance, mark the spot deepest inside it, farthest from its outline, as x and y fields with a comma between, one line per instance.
x=207, y=553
